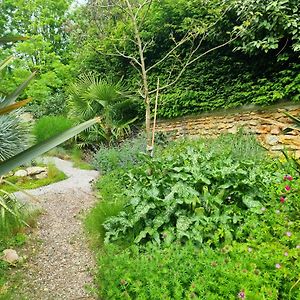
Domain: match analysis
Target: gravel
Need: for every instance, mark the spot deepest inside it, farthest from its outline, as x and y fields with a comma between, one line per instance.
x=63, y=265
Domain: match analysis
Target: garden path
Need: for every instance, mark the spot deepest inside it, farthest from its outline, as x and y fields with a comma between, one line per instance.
x=60, y=265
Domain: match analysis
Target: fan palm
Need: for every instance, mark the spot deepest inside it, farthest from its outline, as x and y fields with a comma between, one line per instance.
x=91, y=96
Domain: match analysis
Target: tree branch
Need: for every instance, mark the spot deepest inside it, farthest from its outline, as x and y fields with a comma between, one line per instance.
x=177, y=45
x=191, y=61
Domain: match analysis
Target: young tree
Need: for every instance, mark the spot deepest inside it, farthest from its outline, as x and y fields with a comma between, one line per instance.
x=124, y=28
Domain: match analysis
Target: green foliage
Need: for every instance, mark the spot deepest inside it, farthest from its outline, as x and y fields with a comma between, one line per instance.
x=112, y=200
x=49, y=126
x=46, y=24
x=221, y=216
x=123, y=156
x=269, y=24
x=185, y=272
x=232, y=81
x=261, y=67
x=90, y=97
x=53, y=106
x=193, y=191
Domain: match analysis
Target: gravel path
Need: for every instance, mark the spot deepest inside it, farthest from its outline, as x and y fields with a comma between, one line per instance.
x=63, y=265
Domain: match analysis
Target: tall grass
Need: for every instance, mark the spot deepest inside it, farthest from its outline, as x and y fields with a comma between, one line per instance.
x=111, y=202
x=49, y=126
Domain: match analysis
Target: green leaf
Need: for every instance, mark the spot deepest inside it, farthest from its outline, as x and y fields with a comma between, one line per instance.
x=250, y=203
x=43, y=147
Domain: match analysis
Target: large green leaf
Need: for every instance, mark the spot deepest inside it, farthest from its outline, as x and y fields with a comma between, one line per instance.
x=12, y=97
x=43, y=147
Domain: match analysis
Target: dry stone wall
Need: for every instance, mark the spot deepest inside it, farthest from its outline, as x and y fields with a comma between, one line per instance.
x=266, y=123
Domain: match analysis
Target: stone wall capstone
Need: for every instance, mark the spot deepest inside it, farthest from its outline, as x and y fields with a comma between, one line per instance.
x=266, y=123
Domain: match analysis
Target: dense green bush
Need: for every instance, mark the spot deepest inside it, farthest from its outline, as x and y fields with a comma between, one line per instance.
x=122, y=156
x=51, y=106
x=193, y=191
x=49, y=126
x=264, y=271
x=260, y=67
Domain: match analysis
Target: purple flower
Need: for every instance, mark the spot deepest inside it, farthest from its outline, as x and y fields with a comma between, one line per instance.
x=288, y=233
x=242, y=295
x=278, y=266
x=287, y=188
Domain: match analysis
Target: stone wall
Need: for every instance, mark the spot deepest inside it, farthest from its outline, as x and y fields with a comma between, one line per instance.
x=266, y=123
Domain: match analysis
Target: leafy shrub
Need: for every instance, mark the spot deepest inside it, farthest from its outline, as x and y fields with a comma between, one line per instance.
x=51, y=106
x=124, y=156
x=186, y=272
x=49, y=126
x=194, y=191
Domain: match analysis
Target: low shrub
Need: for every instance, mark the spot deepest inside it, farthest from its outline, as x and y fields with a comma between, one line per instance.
x=192, y=191
x=51, y=106
x=123, y=156
x=266, y=271
x=49, y=126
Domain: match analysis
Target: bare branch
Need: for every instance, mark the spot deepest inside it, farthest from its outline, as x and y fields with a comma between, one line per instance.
x=182, y=41
x=127, y=56
x=191, y=61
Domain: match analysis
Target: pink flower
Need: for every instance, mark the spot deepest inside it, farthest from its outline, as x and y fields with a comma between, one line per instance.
x=286, y=254
x=282, y=199
x=288, y=177
x=278, y=266
x=287, y=188
x=242, y=294
x=288, y=233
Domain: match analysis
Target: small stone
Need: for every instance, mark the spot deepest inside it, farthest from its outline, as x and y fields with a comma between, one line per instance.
x=10, y=256
x=271, y=139
x=35, y=170
x=42, y=175
x=276, y=131
x=263, y=129
x=21, y=173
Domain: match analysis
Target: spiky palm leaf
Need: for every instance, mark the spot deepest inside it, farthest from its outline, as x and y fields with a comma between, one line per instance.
x=89, y=97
